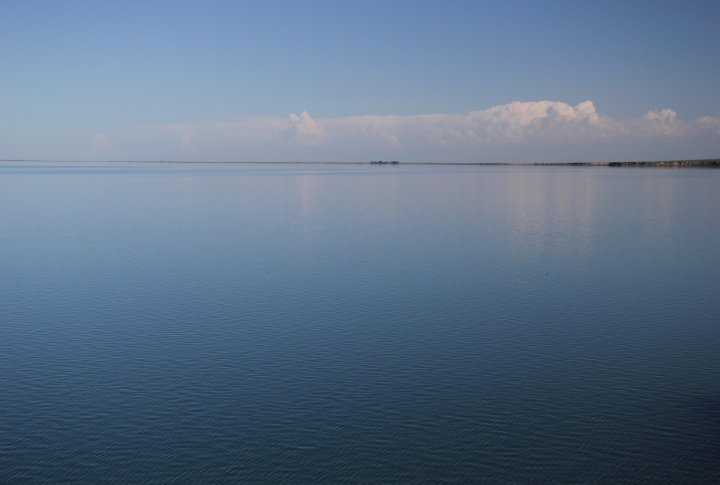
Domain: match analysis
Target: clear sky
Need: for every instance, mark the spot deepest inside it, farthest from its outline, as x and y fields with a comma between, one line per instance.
x=359, y=80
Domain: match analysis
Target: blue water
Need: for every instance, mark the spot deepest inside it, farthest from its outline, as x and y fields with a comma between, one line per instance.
x=329, y=323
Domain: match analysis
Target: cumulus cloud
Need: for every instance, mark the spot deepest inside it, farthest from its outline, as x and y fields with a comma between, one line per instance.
x=520, y=123
x=662, y=122
x=709, y=123
x=306, y=129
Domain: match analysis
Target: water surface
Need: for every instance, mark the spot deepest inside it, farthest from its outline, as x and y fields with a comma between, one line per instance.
x=333, y=323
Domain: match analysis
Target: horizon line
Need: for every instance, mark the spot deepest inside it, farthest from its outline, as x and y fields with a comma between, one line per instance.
x=713, y=162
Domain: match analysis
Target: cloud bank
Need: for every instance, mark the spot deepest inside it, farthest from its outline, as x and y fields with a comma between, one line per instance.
x=519, y=129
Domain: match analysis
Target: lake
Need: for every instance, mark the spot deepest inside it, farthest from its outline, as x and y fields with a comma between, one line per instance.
x=353, y=323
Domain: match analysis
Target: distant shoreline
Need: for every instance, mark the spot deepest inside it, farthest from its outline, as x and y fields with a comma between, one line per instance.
x=703, y=163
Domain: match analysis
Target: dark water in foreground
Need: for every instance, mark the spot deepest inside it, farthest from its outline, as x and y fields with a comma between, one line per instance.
x=359, y=324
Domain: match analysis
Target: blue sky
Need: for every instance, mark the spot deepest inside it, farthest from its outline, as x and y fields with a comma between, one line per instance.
x=359, y=80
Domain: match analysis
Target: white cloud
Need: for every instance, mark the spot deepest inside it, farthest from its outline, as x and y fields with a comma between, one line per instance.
x=709, y=123
x=662, y=122
x=306, y=129
x=517, y=124
x=550, y=121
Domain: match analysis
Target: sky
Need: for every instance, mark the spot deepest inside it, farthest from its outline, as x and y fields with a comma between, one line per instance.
x=409, y=80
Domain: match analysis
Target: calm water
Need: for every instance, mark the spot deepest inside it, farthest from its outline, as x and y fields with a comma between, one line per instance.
x=358, y=324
